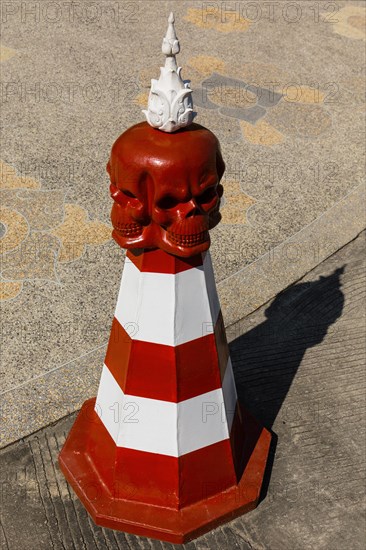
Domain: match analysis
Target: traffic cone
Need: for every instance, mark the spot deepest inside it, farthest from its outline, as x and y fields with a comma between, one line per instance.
x=166, y=450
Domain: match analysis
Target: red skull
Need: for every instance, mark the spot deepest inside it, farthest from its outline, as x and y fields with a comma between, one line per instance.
x=166, y=188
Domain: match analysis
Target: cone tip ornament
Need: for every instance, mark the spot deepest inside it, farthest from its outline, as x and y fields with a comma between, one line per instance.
x=170, y=105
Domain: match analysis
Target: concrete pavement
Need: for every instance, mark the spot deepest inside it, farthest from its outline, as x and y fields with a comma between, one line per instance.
x=299, y=364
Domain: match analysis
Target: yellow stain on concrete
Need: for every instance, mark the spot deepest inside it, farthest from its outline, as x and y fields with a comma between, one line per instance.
x=77, y=231
x=357, y=22
x=299, y=93
x=10, y=180
x=236, y=204
x=218, y=21
x=349, y=21
x=142, y=99
x=262, y=133
x=9, y=290
x=310, y=95
x=207, y=64
x=16, y=229
x=6, y=53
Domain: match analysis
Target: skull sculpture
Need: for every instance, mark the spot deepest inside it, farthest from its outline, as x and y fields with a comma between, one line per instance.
x=166, y=188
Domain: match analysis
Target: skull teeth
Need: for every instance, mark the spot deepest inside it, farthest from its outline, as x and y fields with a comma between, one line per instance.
x=188, y=240
x=128, y=229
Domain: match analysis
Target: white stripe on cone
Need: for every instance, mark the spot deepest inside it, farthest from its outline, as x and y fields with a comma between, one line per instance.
x=211, y=287
x=163, y=427
x=168, y=309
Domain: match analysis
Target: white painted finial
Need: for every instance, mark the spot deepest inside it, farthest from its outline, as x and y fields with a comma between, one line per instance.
x=170, y=104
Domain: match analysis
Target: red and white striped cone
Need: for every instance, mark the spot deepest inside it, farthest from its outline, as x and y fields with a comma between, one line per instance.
x=166, y=451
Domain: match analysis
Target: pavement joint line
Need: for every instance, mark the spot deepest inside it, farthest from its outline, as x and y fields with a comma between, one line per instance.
x=30, y=380
x=316, y=466
x=361, y=186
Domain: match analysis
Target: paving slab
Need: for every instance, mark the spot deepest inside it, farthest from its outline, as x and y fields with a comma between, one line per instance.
x=281, y=84
x=299, y=364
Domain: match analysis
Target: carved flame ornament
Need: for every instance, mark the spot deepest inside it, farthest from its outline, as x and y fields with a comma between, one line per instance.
x=170, y=105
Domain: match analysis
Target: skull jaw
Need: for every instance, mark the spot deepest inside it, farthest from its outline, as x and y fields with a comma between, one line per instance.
x=181, y=250
x=155, y=236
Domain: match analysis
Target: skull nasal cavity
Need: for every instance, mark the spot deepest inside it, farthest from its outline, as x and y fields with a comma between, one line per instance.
x=194, y=212
x=167, y=202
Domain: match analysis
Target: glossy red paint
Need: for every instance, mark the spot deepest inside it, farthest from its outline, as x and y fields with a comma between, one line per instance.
x=104, y=491
x=166, y=195
x=157, y=261
x=164, y=372
x=166, y=188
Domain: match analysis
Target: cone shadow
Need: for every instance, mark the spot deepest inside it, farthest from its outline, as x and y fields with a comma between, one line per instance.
x=266, y=358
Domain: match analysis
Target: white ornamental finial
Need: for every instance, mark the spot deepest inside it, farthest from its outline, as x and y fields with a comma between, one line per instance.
x=170, y=104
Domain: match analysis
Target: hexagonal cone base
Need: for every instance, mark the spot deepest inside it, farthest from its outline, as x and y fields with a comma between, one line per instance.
x=166, y=524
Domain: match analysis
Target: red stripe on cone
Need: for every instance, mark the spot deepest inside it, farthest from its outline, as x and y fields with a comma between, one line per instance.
x=164, y=372
x=158, y=479
x=209, y=470
x=158, y=261
x=87, y=461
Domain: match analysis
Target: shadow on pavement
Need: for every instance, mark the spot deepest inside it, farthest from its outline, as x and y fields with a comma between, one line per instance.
x=266, y=358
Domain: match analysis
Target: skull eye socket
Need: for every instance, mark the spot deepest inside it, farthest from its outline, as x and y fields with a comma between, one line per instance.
x=128, y=194
x=167, y=202
x=208, y=194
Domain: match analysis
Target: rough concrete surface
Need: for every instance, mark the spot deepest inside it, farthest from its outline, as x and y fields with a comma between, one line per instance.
x=299, y=364
x=282, y=86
